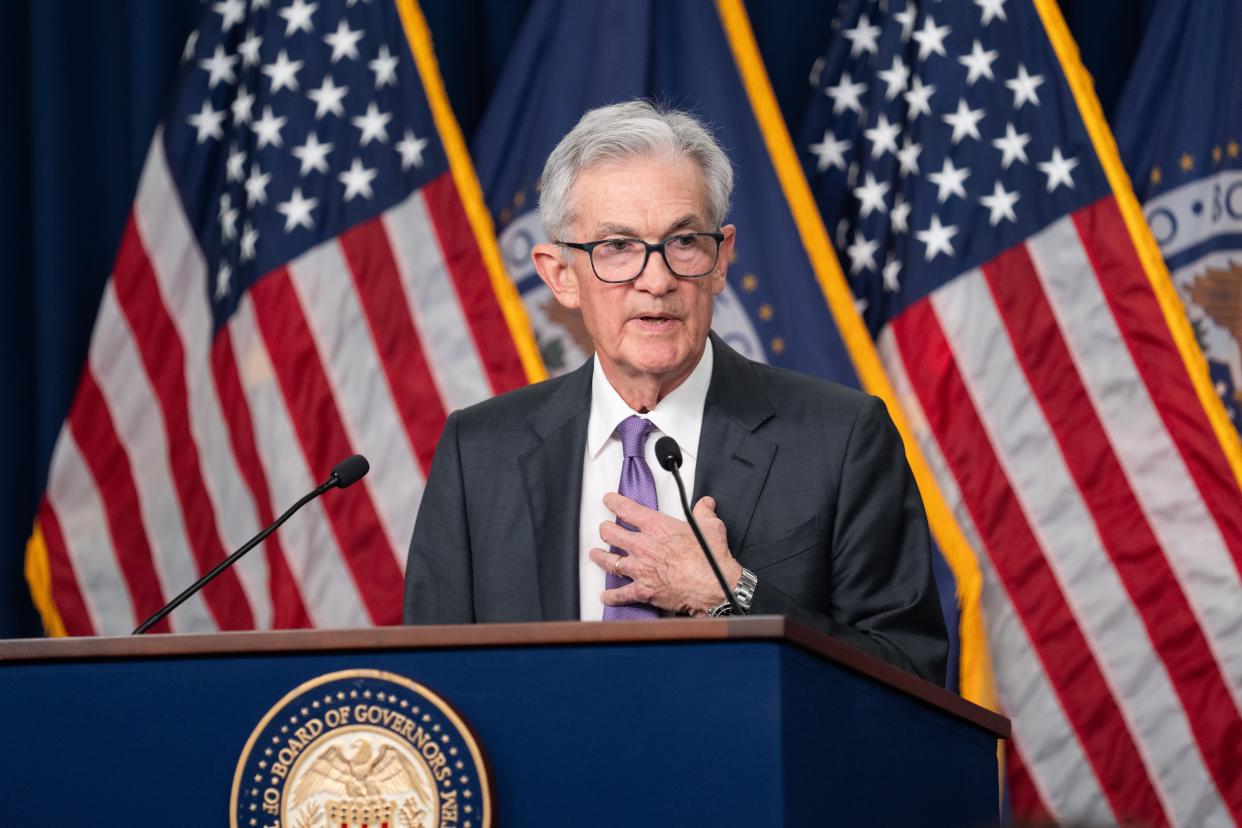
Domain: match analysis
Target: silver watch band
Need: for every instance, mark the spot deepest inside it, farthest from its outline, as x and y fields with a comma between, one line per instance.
x=743, y=593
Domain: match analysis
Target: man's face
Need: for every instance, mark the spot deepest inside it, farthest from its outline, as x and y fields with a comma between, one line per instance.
x=654, y=327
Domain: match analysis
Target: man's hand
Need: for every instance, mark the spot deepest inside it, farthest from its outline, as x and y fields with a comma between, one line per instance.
x=665, y=562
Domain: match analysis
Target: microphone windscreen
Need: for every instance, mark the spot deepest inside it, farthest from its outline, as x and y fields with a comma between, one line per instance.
x=350, y=470
x=668, y=453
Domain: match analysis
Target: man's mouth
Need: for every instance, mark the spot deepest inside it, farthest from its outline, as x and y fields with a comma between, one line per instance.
x=655, y=318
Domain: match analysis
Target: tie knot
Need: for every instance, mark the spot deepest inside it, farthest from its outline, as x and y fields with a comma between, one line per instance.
x=633, y=431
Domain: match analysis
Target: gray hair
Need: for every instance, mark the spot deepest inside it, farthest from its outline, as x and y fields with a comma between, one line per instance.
x=634, y=129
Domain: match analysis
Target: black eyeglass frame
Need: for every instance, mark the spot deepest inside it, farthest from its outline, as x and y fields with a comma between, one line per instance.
x=587, y=247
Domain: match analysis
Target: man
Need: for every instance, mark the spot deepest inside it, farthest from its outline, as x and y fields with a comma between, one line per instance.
x=801, y=486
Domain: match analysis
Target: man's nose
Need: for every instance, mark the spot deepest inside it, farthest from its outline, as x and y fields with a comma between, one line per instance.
x=656, y=278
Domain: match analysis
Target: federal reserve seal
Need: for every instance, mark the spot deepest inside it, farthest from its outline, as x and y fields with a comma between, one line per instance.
x=361, y=748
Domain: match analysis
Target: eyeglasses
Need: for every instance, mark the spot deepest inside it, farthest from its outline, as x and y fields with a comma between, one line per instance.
x=686, y=255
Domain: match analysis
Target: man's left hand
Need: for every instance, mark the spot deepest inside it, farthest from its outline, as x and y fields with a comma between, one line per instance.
x=665, y=563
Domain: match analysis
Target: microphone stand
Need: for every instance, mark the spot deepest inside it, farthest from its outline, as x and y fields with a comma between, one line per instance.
x=670, y=461
x=343, y=475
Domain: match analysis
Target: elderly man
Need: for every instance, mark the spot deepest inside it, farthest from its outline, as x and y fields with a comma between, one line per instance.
x=542, y=503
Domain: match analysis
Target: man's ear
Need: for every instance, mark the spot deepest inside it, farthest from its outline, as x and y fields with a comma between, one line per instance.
x=726, y=255
x=552, y=264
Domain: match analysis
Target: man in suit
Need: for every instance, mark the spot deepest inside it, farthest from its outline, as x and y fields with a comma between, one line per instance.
x=542, y=503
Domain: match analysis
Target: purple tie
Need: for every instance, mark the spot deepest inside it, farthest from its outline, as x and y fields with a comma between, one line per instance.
x=639, y=486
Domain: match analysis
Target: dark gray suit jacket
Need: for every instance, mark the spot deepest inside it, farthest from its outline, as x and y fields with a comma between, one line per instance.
x=809, y=477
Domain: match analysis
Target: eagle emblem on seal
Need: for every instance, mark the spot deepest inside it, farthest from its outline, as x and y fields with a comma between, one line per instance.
x=363, y=783
x=365, y=773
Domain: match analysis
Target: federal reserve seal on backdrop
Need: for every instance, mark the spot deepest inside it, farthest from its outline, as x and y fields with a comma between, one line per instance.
x=361, y=748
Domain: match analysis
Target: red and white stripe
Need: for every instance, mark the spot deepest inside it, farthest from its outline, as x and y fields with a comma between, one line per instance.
x=444, y=333
x=183, y=441
x=1039, y=721
x=368, y=415
x=314, y=556
x=82, y=541
x=177, y=277
x=117, y=368
x=1058, y=418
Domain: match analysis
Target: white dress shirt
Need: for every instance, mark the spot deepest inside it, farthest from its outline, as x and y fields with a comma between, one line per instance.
x=680, y=416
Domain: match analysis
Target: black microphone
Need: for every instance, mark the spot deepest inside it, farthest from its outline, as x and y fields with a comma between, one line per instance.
x=346, y=473
x=668, y=454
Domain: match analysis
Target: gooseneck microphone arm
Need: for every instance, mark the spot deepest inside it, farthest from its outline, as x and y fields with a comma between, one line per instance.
x=346, y=473
x=668, y=453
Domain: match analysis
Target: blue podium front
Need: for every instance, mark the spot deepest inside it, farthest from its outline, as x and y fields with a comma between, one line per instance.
x=754, y=721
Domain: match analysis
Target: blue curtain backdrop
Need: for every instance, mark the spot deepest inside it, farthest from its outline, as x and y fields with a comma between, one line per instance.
x=82, y=86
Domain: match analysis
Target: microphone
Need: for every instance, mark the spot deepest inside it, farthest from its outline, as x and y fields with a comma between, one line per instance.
x=346, y=473
x=668, y=454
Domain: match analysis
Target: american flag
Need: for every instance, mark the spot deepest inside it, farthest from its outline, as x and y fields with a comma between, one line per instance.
x=307, y=272
x=1019, y=306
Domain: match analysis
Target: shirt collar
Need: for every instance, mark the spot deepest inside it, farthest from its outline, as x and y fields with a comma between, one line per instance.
x=679, y=415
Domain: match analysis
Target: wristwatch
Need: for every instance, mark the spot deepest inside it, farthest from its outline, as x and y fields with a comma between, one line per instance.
x=743, y=593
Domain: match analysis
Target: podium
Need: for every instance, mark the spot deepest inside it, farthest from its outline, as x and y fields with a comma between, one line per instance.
x=750, y=721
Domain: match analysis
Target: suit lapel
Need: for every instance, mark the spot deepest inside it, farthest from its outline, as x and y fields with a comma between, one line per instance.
x=733, y=462
x=552, y=473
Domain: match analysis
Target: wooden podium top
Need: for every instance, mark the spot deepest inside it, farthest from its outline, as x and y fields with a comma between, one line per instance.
x=560, y=633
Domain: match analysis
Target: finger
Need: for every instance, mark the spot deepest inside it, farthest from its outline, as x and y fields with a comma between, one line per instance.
x=614, y=534
x=632, y=513
x=604, y=559
x=711, y=524
x=608, y=561
x=705, y=514
x=628, y=594
x=705, y=506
